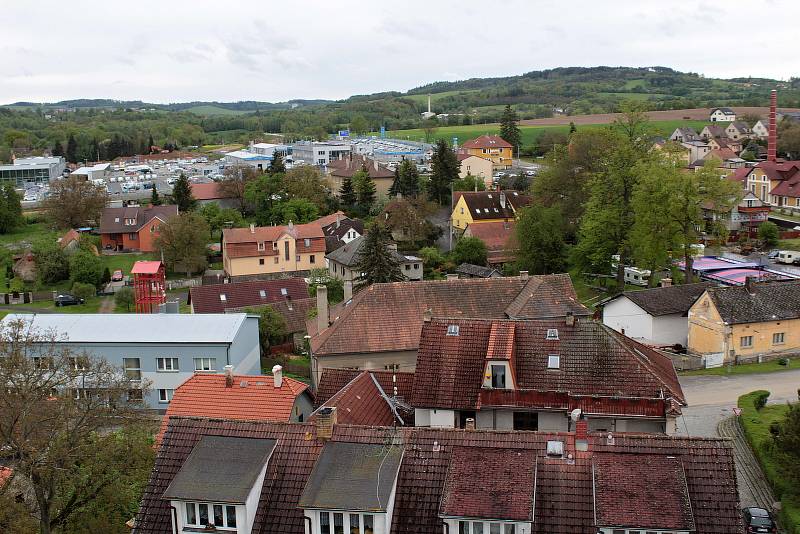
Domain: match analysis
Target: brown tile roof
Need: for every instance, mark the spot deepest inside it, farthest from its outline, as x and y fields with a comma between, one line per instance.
x=207, y=299
x=113, y=219
x=564, y=502
x=627, y=486
x=69, y=237
x=789, y=187
x=669, y=300
x=739, y=175
x=487, y=141
x=252, y=398
x=498, y=236
x=595, y=362
x=295, y=313
x=779, y=170
x=209, y=191
x=363, y=401
x=487, y=205
x=388, y=317
x=333, y=380
x=488, y=483
x=765, y=301
x=325, y=220
x=347, y=167
x=243, y=242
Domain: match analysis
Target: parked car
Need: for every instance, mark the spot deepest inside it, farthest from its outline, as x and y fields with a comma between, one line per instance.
x=758, y=520
x=117, y=276
x=65, y=299
x=774, y=254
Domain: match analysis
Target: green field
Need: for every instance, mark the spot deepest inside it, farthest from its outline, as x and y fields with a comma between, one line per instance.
x=27, y=233
x=756, y=428
x=423, y=98
x=529, y=133
x=210, y=110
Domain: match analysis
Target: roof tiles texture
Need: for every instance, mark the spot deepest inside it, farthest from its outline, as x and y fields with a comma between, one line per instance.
x=113, y=219
x=767, y=301
x=563, y=506
x=487, y=205
x=487, y=141
x=207, y=298
x=362, y=402
x=333, y=380
x=668, y=300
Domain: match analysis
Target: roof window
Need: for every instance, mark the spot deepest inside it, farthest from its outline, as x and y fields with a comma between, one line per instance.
x=478, y=211
x=552, y=333
x=489, y=196
x=262, y=294
x=554, y=361
x=223, y=297
x=555, y=448
x=284, y=291
x=452, y=329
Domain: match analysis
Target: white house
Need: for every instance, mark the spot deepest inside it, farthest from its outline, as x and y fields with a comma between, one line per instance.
x=761, y=128
x=655, y=316
x=722, y=115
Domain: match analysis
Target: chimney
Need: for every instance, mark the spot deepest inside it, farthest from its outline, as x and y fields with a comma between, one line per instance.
x=497, y=188
x=749, y=284
x=325, y=421
x=570, y=319
x=772, y=138
x=581, y=434
x=666, y=282
x=277, y=375
x=427, y=314
x=291, y=225
x=470, y=424
x=348, y=290
x=338, y=220
x=322, y=308
x=523, y=275
x=252, y=228
x=429, y=103
x=228, y=376
x=452, y=276
x=502, y=200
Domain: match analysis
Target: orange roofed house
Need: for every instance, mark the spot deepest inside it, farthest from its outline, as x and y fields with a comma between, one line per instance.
x=491, y=147
x=133, y=227
x=273, y=249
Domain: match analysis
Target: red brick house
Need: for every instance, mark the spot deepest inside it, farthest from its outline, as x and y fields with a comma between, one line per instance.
x=133, y=227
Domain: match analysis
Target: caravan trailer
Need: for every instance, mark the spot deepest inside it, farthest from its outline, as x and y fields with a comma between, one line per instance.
x=636, y=276
x=788, y=256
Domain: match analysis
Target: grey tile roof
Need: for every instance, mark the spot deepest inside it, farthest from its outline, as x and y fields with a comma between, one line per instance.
x=221, y=469
x=477, y=270
x=348, y=255
x=765, y=301
x=352, y=476
x=668, y=300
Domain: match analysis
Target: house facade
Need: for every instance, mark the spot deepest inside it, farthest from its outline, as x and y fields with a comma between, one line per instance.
x=133, y=228
x=343, y=168
x=478, y=207
x=744, y=217
x=746, y=323
x=268, y=250
x=738, y=130
x=712, y=131
x=766, y=177
x=761, y=129
x=477, y=166
x=343, y=262
x=684, y=134
x=491, y=147
x=657, y=316
x=162, y=349
x=722, y=115
x=533, y=374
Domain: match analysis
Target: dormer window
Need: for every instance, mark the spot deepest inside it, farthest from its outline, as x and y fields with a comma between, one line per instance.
x=261, y=246
x=452, y=329
x=554, y=361
x=307, y=242
x=555, y=448
x=498, y=376
x=552, y=334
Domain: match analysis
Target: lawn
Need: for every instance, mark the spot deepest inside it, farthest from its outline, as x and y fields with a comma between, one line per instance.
x=27, y=233
x=745, y=369
x=789, y=244
x=92, y=305
x=756, y=428
x=124, y=262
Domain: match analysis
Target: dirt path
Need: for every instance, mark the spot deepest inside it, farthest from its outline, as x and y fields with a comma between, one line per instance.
x=107, y=305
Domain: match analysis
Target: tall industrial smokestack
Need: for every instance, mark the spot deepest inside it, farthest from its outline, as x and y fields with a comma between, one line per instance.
x=772, y=139
x=429, y=103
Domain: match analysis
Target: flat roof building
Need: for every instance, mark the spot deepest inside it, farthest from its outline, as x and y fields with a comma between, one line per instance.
x=320, y=153
x=36, y=170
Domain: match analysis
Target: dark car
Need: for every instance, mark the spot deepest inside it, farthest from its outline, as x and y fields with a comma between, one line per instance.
x=758, y=520
x=68, y=300
x=774, y=254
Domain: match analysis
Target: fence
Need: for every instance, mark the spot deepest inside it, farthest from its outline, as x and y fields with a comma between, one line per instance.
x=26, y=297
x=187, y=282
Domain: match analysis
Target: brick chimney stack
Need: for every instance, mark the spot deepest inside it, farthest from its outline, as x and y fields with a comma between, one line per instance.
x=772, y=138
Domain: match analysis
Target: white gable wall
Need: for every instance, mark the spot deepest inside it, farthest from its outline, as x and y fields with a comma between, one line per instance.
x=626, y=317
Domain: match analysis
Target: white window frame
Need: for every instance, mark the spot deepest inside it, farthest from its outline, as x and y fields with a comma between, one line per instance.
x=553, y=362
x=206, y=364
x=167, y=365
x=165, y=395
x=506, y=527
x=552, y=334
x=210, y=505
x=345, y=521
x=748, y=344
x=780, y=337
x=453, y=330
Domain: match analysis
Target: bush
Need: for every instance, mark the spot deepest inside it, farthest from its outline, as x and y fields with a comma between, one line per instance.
x=768, y=233
x=86, y=268
x=124, y=297
x=83, y=291
x=760, y=399
x=783, y=361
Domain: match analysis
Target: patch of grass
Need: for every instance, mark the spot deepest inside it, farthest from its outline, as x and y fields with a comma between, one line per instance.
x=756, y=428
x=27, y=233
x=744, y=369
x=90, y=306
x=124, y=262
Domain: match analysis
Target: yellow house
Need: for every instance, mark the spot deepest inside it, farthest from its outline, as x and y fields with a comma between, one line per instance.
x=273, y=249
x=491, y=147
x=745, y=323
x=765, y=178
x=475, y=207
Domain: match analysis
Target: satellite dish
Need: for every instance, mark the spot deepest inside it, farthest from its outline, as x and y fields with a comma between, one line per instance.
x=575, y=414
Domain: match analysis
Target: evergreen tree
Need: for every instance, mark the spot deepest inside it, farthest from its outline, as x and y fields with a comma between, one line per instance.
x=364, y=188
x=509, y=129
x=409, y=179
x=395, y=188
x=377, y=263
x=10, y=210
x=155, y=198
x=347, y=195
x=445, y=171
x=151, y=144
x=182, y=194
x=72, y=149
x=58, y=149
x=277, y=166
x=572, y=128
x=106, y=278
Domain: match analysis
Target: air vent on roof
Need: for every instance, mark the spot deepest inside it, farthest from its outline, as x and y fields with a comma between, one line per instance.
x=452, y=330
x=555, y=448
x=552, y=333
x=263, y=294
x=554, y=361
x=222, y=297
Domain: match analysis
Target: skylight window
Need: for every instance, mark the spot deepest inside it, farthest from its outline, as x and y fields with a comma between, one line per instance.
x=262, y=294
x=284, y=291
x=486, y=210
x=552, y=333
x=223, y=297
x=554, y=361
x=478, y=211
x=452, y=330
x=490, y=196
x=555, y=448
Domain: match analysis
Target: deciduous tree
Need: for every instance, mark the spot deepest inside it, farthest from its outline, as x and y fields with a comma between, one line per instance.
x=768, y=233
x=182, y=241
x=52, y=265
x=85, y=268
x=124, y=298
x=470, y=250
x=540, y=240
x=74, y=202
x=308, y=182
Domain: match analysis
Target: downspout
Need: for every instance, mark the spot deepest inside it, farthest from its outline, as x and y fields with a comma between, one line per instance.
x=174, y=519
x=308, y=520
x=446, y=527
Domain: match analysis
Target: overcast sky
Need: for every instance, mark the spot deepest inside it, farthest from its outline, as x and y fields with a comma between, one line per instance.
x=177, y=51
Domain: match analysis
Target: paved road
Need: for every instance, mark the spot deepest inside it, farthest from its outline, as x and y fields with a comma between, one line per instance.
x=725, y=390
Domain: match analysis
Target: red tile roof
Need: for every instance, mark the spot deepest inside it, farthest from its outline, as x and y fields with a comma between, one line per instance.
x=333, y=380
x=5, y=475
x=779, y=170
x=206, y=299
x=498, y=236
x=788, y=188
x=252, y=398
x=595, y=363
x=564, y=500
x=740, y=174
x=209, y=191
x=146, y=267
x=487, y=483
x=363, y=401
x=388, y=317
x=243, y=242
x=69, y=237
x=628, y=485
x=487, y=141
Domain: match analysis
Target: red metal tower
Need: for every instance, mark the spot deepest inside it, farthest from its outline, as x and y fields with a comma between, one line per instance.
x=149, y=285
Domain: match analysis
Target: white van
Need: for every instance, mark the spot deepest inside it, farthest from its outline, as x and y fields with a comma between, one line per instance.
x=788, y=256
x=636, y=276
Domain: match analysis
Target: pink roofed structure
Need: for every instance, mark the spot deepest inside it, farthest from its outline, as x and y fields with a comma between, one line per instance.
x=149, y=283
